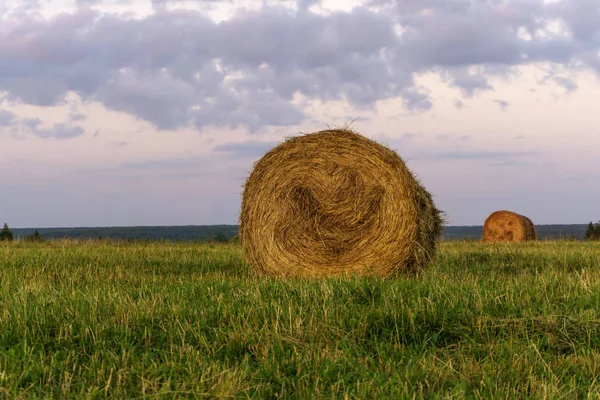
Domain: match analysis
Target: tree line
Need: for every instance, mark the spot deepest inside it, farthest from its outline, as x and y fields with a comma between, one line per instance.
x=7, y=235
x=591, y=233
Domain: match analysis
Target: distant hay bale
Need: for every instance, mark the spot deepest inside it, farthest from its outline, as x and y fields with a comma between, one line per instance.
x=531, y=235
x=507, y=226
x=335, y=203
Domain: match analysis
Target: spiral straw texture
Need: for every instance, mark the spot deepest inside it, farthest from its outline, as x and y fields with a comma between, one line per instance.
x=336, y=203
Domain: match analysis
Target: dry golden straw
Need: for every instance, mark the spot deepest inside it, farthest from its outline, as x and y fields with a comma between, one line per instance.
x=335, y=203
x=507, y=226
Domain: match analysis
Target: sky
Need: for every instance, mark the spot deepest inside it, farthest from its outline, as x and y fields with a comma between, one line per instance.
x=135, y=112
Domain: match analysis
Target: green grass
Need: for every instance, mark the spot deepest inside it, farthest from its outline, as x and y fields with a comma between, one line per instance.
x=165, y=320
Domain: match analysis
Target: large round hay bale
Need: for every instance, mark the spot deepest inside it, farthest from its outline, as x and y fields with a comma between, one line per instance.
x=335, y=203
x=507, y=226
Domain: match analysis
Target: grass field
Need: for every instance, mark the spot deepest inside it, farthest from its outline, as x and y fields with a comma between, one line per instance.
x=184, y=320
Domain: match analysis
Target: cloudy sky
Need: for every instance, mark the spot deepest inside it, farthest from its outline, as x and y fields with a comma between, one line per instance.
x=152, y=112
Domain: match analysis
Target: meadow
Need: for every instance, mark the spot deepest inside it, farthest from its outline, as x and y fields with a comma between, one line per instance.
x=116, y=319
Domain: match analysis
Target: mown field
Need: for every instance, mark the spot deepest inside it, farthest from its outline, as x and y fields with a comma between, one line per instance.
x=186, y=320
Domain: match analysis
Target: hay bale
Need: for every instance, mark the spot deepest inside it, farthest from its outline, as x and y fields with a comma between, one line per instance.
x=507, y=226
x=334, y=203
x=531, y=235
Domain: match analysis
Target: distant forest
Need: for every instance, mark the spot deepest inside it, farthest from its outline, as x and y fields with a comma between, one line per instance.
x=226, y=232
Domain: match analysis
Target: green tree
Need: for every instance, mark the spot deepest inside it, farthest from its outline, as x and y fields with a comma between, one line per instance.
x=34, y=237
x=6, y=233
x=593, y=231
x=590, y=231
x=220, y=237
